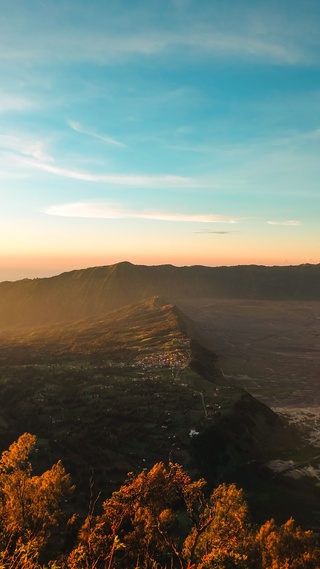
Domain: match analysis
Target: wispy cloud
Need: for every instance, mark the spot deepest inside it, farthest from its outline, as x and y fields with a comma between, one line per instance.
x=102, y=210
x=107, y=139
x=117, y=179
x=298, y=138
x=12, y=102
x=213, y=44
x=251, y=47
x=291, y=222
x=24, y=147
x=215, y=232
x=85, y=44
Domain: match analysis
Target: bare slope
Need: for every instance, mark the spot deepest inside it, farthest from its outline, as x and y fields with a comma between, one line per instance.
x=95, y=291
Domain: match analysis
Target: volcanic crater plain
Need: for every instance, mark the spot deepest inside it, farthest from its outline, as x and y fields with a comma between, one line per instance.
x=270, y=348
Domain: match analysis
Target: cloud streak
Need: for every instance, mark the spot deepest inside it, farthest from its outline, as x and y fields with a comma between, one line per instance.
x=12, y=102
x=290, y=222
x=137, y=180
x=107, y=139
x=104, y=210
x=215, y=232
x=86, y=43
x=24, y=146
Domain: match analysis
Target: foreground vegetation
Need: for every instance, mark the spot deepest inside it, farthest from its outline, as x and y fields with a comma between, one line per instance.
x=159, y=518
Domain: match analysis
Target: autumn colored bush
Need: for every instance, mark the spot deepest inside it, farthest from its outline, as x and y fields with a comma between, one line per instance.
x=287, y=547
x=158, y=519
x=143, y=522
x=29, y=504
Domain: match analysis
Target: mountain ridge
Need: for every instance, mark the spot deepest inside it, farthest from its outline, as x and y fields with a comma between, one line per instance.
x=153, y=319
x=90, y=292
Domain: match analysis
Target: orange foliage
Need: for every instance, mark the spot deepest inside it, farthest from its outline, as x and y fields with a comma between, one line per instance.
x=29, y=505
x=158, y=519
x=144, y=517
x=287, y=547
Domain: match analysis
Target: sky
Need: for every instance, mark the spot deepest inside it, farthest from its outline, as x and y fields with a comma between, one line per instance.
x=158, y=131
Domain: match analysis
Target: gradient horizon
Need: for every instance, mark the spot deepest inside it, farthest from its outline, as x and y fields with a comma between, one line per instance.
x=158, y=132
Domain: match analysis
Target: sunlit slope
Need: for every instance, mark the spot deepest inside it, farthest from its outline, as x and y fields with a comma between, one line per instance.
x=95, y=291
x=123, y=334
x=70, y=296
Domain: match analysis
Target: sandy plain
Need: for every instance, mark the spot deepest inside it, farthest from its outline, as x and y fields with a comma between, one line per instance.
x=270, y=348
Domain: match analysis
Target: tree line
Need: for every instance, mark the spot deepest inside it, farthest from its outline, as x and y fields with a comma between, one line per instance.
x=158, y=519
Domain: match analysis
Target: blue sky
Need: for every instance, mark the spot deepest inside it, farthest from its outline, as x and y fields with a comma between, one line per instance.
x=183, y=132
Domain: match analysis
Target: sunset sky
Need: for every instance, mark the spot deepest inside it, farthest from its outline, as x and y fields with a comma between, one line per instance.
x=157, y=131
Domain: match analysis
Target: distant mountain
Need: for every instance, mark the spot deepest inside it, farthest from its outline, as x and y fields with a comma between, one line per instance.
x=91, y=292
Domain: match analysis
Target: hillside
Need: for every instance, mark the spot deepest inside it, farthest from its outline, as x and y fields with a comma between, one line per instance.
x=118, y=393
x=123, y=333
x=96, y=291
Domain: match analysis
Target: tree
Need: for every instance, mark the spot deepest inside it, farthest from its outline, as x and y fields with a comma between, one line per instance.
x=222, y=536
x=142, y=522
x=287, y=547
x=161, y=519
x=29, y=504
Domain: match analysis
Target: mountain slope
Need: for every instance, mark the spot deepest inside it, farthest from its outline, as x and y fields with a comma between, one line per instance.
x=122, y=334
x=118, y=393
x=96, y=291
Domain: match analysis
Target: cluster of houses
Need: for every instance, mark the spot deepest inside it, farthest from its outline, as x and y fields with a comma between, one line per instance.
x=176, y=359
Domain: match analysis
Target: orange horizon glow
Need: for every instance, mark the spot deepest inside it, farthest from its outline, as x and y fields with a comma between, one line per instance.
x=39, y=266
